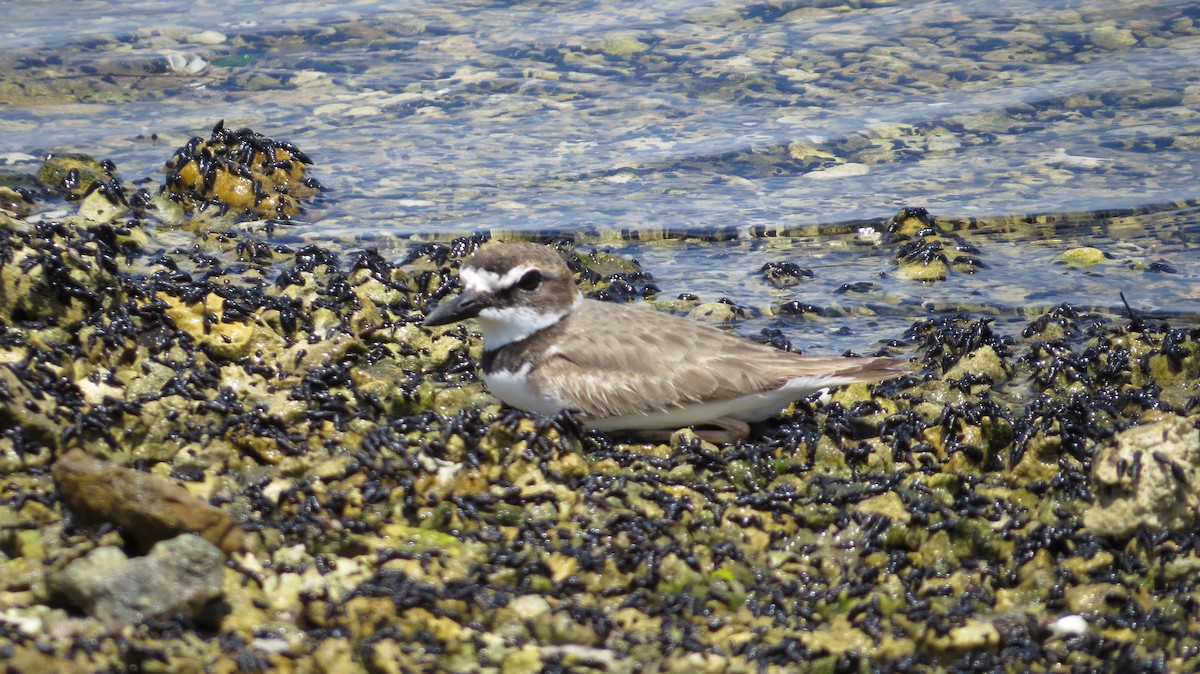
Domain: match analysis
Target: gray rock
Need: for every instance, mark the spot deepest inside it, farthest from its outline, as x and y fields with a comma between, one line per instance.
x=179, y=575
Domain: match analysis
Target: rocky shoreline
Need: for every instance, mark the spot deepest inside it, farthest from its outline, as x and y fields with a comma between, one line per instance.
x=225, y=454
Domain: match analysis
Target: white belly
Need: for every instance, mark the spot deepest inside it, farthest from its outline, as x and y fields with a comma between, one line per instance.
x=513, y=389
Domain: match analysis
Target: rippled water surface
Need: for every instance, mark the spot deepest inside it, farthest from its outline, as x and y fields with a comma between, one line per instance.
x=704, y=138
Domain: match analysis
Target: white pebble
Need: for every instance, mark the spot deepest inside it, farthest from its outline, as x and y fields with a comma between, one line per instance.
x=1068, y=626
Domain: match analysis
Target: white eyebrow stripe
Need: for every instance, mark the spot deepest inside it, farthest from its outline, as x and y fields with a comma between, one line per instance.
x=484, y=281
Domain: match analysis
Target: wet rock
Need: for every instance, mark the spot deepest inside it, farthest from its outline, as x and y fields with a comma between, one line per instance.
x=924, y=251
x=25, y=405
x=15, y=201
x=1147, y=478
x=73, y=172
x=103, y=205
x=975, y=635
x=784, y=274
x=610, y=277
x=224, y=339
x=147, y=507
x=181, y=574
x=240, y=171
x=54, y=276
x=716, y=312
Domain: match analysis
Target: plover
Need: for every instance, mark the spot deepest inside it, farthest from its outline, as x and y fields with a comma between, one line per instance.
x=546, y=348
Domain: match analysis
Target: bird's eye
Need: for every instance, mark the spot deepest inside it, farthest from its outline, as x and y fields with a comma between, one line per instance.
x=531, y=280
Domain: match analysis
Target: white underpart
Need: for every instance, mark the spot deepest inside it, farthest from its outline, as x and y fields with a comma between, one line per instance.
x=751, y=407
x=505, y=325
x=513, y=388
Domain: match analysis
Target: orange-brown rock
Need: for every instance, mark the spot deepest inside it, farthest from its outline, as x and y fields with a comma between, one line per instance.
x=148, y=508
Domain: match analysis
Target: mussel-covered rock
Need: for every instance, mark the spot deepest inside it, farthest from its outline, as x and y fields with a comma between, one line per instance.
x=240, y=171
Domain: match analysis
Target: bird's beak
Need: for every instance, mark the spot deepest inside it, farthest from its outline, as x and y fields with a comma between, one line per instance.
x=466, y=305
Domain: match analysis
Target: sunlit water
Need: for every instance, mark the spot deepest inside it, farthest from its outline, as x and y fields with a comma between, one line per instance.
x=704, y=138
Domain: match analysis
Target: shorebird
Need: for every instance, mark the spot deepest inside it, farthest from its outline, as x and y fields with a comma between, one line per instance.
x=546, y=348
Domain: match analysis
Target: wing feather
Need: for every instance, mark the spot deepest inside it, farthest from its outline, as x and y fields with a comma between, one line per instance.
x=602, y=369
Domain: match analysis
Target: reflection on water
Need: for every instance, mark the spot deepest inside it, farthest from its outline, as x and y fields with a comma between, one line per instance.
x=705, y=139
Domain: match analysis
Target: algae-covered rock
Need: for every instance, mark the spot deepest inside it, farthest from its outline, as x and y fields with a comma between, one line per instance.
x=72, y=171
x=1145, y=478
x=716, y=312
x=226, y=339
x=784, y=274
x=984, y=361
x=621, y=45
x=102, y=205
x=1085, y=256
x=1111, y=37
x=924, y=251
x=15, y=201
x=55, y=278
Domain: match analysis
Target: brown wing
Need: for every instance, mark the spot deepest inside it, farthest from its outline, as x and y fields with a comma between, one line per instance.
x=629, y=361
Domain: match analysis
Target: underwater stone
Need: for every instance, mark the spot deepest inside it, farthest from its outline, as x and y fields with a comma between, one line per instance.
x=1085, y=256
x=1111, y=37
x=621, y=45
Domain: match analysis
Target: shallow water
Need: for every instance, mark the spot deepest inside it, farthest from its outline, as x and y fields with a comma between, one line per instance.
x=704, y=138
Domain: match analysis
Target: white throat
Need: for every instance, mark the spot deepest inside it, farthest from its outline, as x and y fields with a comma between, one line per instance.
x=512, y=324
x=502, y=326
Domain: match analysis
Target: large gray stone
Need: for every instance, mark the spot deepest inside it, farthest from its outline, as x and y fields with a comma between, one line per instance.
x=182, y=575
